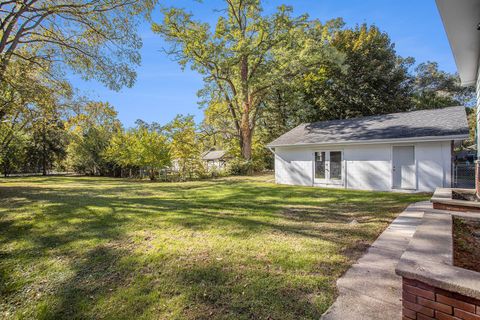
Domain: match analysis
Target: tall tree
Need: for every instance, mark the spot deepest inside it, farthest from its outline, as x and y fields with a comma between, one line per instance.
x=95, y=38
x=25, y=95
x=434, y=88
x=13, y=155
x=91, y=129
x=152, y=150
x=184, y=145
x=48, y=142
x=245, y=56
x=375, y=80
x=142, y=147
x=121, y=151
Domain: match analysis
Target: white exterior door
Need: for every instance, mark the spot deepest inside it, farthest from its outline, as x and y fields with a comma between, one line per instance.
x=328, y=168
x=403, y=167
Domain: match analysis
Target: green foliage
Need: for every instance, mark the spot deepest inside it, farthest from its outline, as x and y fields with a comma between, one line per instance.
x=13, y=156
x=472, y=125
x=26, y=95
x=374, y=81
x=217, y=129
x=95, y=39
x=185, y=146
x=120, y=149
x=434, y=88
x=263, y=74
x=152, y=150
x=140, y=147
x=240, y=167
x=47, y=144
x=39, y=41
x=245, y=56
x=91, y=130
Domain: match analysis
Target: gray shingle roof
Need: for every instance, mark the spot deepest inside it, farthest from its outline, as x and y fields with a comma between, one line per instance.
x=415, y=124
x=213, y=155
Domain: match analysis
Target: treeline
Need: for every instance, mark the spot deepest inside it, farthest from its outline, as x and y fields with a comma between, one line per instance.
x=263, y=75
x=92, y=141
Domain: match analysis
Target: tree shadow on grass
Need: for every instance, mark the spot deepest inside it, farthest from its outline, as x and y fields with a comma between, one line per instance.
x=248, y=210
x=108, y=269
x=208, y=290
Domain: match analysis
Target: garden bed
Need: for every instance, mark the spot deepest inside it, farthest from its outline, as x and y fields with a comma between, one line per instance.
x=466, y=243
x=468, y=195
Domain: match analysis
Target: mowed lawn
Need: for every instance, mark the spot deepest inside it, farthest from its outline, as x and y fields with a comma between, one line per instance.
x=232, y=248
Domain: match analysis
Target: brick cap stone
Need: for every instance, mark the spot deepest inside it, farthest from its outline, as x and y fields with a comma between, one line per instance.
x=429, y=256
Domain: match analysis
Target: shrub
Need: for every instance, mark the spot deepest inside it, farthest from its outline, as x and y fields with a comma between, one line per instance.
x=239, y=167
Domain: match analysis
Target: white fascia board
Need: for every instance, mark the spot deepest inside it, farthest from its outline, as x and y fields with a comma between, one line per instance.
x=460, y=19
x=377, y=141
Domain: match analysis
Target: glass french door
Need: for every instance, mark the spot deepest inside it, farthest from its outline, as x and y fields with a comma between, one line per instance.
x=329, y=167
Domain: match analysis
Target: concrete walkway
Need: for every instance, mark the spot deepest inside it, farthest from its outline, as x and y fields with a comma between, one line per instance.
x=370, y=289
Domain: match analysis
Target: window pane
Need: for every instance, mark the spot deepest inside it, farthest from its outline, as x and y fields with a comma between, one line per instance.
x=335, y=165
x=320, y=165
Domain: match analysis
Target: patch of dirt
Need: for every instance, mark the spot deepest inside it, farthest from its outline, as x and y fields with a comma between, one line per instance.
x=466, y=243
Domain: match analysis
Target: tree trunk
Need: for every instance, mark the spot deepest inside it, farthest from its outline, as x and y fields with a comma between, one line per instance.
x=44, y=153
x=246, y=147
x=246, y=138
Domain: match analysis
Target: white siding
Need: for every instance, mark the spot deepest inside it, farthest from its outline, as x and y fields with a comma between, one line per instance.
x=433, y=165
x=367, y=167
x=293, y=166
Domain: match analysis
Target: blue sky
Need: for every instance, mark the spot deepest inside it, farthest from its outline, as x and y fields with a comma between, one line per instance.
x=163, y=90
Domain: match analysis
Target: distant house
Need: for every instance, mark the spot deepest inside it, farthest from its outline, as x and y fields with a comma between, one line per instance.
x=215, y=159
x=409, y=150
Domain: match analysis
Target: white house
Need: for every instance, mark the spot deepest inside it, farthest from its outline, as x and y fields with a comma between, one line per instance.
x=461, y=19
x=409, y=150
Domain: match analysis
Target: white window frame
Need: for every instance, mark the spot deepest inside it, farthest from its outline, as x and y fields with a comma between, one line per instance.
x=327, y=180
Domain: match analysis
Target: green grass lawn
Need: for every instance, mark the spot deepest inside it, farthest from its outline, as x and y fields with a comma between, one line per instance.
x=233, y=248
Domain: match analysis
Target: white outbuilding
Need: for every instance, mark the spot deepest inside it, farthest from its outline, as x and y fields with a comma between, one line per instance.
x=399, y=151
x=215, y=159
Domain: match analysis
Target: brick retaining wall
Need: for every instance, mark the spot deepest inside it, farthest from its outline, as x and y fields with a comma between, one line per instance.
x=422, y=301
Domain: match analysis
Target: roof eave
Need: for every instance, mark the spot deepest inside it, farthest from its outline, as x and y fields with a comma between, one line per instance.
x=376, y=141
x=460, y=20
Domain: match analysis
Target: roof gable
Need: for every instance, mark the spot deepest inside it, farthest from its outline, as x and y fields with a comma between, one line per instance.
x=444, y=122
x=213, y=155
